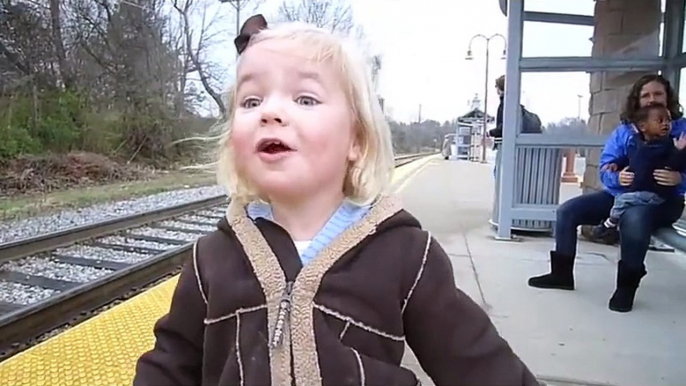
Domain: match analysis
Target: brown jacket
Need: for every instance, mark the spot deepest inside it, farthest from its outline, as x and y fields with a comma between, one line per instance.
x=246, y=312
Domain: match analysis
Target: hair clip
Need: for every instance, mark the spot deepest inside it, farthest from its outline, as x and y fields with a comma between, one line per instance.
x=251, y=27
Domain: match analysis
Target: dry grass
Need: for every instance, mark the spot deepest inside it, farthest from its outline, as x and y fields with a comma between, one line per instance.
x=27, y=205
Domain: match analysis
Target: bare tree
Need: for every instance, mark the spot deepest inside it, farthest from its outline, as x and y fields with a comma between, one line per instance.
x=241, y=5
x=200, y=37
x=334, y=15
x=376, y=64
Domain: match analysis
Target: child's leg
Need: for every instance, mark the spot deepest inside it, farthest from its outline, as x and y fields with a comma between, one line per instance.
x=623, y=202
x=627, y=200
x=607, y=227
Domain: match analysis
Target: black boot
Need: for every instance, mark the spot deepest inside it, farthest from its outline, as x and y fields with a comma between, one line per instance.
x=627, y=284
x=561, y=275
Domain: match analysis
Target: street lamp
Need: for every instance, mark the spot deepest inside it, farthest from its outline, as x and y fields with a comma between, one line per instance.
x=470, y=57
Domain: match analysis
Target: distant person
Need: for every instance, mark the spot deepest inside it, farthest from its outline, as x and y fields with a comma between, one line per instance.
x=650, y=148
x=531, y=123
x=497, y=131
x=317, y=275
x=637, y=223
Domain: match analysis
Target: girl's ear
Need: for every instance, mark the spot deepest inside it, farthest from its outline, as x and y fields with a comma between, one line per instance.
x=354, y=152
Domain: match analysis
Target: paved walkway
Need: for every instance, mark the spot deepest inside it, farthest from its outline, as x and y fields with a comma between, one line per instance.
x=566, y=338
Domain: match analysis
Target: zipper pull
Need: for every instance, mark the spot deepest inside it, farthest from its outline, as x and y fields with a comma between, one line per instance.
x=283, y=316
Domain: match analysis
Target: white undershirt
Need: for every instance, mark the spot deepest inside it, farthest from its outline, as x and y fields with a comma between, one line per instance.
x=301, y=246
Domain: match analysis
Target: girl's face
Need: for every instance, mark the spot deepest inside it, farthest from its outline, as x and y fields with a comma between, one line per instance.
x=293, y=131
x=653, y=92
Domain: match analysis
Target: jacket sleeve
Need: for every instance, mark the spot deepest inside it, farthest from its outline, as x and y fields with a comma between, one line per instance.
x=453, y=338
x=614, y=149
x=176, y=358
x=497, y=132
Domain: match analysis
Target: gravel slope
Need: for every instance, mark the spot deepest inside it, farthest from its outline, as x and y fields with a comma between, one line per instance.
x=19, y=229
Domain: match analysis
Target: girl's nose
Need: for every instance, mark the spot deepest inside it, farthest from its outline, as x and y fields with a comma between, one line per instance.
x=273, y=111
x=269, y=118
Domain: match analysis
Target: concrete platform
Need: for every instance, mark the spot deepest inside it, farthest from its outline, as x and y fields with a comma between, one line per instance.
x=565, y=337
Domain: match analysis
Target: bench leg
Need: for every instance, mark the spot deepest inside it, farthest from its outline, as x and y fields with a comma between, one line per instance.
x=658, y=246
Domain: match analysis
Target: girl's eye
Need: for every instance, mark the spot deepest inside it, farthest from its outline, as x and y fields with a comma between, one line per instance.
x=250, y=103
x=307, y=101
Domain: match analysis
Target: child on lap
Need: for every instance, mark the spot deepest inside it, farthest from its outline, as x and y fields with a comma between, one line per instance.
x=651, y=148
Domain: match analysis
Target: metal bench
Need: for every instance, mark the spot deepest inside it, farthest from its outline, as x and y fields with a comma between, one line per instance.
x=675, y=236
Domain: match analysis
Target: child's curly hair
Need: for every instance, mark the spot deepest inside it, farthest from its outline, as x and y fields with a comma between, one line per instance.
x=643, y=113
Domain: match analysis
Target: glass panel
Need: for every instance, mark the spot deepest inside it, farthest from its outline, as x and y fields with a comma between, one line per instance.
x=576, y=7
x=682, y=87
x=543, y=39
x=558, y=98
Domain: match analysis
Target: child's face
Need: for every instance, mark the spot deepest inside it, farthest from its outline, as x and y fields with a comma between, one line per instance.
x=657, y=125
x=293, y=130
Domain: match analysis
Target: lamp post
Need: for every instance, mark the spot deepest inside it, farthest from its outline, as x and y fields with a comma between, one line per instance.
x=470, y=57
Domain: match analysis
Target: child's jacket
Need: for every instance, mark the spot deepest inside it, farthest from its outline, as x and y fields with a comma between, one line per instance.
x=343, y=319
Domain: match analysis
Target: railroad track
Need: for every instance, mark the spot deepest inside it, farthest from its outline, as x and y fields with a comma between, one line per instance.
x=49, y=280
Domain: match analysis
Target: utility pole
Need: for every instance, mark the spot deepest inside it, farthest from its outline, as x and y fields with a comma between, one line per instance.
x=486, y=86
x=237, y=5
x=419, y=117
x=578, y=111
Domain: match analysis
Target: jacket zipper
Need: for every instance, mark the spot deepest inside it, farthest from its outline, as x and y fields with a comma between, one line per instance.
x=283, y=317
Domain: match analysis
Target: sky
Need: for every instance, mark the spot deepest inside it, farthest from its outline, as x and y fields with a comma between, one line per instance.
x=424, y=45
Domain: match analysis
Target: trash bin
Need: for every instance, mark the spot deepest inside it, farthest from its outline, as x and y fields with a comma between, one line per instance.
x=538, y=171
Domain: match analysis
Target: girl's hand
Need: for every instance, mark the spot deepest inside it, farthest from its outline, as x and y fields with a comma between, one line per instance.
x=626, y=177
x=667, y=177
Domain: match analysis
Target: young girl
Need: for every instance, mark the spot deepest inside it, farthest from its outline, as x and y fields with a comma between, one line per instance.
x=316, y=276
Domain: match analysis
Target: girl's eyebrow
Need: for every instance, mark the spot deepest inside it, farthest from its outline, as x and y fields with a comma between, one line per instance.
x=310, y=75
x=250, y=76
x=245, y=78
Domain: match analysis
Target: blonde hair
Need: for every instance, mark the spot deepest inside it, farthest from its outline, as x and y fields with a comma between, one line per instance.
x=367, y=178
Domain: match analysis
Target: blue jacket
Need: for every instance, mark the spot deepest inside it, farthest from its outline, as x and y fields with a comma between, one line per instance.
x=617, y=148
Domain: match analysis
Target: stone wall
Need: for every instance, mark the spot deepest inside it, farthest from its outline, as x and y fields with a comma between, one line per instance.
x=623, y=29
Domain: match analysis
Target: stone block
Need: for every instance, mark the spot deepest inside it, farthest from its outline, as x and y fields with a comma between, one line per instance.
x=624, y=80
x=608, y=122
x=591, y=177
x=596, y=82
x=606, y=101
x=630, y=46
x=608, y=23
x=594, y=123
x=593, y=158
x=641, y=16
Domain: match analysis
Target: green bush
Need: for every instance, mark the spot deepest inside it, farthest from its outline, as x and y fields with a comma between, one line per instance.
x=16, y=141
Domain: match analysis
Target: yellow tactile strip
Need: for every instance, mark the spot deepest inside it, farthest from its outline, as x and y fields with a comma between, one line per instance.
x=100, y=351
x=103, y=351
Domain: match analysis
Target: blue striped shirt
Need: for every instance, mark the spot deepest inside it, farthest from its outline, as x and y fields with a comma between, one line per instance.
x=345, y=216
